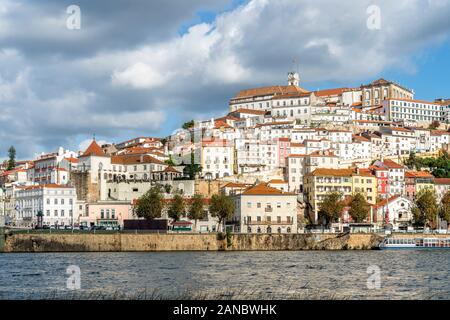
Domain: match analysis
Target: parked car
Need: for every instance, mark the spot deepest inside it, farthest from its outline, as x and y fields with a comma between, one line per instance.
x=98, y=228
x=84, y=228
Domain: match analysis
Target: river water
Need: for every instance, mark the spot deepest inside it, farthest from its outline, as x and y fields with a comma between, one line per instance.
x=404, y=274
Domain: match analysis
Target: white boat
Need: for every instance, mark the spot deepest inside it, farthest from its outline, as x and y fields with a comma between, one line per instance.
x=417, y=243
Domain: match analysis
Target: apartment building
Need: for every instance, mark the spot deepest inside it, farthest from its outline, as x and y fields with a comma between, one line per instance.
x=264, y=209
x=348, y=182
x=55, y=202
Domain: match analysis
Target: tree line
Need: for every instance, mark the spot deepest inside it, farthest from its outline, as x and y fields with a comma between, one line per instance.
x=439, y=167
x=426, y=208
x=151, y=206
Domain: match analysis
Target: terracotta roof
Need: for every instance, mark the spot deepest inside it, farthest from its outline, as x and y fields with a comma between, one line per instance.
x=134, y=159
x=442, y=181
x=251, y=111
x=72, y=160
x=333, y=172
x=292, y=95
x=236, y=185
x=360, y=138
x=94, y=150
x=221, y=124
x=171, y=169
x=264, y=189
x=385, y=201
x=392, y=164
x=50, y=185
x=272, y=90
x=277, y=181
x=297, y=145
x=330, y=92
x=418, y=174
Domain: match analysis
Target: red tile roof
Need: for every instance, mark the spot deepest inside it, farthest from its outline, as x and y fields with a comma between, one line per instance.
x=264, y=189
x=273, y=90
x=94, y=150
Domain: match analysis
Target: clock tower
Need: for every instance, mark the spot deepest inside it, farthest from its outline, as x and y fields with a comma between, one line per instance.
x=293, y=79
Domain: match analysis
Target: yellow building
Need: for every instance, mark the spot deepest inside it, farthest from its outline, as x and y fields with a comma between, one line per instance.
x=346, y=181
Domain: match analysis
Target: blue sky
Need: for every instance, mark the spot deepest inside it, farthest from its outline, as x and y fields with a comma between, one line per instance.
x=144, y=69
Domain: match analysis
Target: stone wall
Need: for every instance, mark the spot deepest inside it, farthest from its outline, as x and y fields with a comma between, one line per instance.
x=184, y=242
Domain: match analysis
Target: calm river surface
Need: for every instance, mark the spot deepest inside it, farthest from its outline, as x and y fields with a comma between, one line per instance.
x=405, y=274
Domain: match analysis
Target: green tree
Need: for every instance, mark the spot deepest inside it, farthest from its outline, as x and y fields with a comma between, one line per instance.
x=170, y=161
x=359, y=208
x=434, y=125
x=196, y=209
x=425, y=208
x=167, y=188
x=222, y=207
x=177, y=208
x=331, y=207
x=11, y=158
x=188, y=125
x=192, y=168
x=444, y=211
x=150, y=205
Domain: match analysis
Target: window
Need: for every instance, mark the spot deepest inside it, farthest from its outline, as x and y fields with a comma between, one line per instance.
x=113, y=213
x=62, y=213
x=258, y=218
x=48, y=200
x=56, y=213
x=56, y=201
x=258, y=205
x=278, y=219
x=107, y=213
x=249, y=204
x=102, y=214
x=48, y=213
x=62, y=201
x=278, y=204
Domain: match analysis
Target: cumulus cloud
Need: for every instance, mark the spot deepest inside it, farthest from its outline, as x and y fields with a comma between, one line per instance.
x=128, y=70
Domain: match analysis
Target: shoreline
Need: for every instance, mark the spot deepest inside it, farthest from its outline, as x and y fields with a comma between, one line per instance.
x=18, y=242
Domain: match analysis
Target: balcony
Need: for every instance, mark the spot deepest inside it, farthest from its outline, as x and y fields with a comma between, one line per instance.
x=273, y=223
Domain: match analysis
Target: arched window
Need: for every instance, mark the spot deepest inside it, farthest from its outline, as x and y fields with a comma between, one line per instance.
x=279, y=229
x=385, y=93
x=269, y=230
x=249, y=229
x=258, y=230
x=289, y=230
x=367, y=95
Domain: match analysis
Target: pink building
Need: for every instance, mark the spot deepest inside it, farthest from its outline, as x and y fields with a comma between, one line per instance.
x=284, y=146
x=110, y=214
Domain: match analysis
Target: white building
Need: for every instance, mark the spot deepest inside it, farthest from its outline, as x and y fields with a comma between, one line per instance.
x=55, y=202
x=217, y=158
x=417, y=111
x=263, y=209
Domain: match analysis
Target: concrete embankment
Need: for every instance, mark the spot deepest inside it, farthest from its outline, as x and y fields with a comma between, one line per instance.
x=125, y=242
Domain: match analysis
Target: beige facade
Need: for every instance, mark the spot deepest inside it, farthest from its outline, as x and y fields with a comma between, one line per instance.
x=263, y=209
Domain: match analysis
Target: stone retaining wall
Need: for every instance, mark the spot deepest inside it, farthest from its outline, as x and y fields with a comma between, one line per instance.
x=123, y=242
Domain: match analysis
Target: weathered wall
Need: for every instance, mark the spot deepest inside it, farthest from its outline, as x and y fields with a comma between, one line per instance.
x=184, y=242
x=2, y=239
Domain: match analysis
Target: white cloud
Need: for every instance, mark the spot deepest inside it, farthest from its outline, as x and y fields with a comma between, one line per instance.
x=81, y=86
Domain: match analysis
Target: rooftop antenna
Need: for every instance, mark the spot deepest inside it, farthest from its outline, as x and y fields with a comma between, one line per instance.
x=296, y=65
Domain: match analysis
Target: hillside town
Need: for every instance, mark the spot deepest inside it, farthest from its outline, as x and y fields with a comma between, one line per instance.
x=290, y=160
